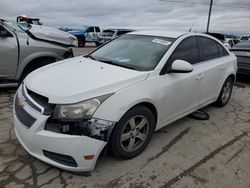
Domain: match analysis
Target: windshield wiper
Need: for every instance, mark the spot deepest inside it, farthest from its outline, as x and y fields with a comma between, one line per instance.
x=116, y=64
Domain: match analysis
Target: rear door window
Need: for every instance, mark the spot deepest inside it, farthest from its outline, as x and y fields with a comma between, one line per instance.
x=221, y=50
x=208, y=49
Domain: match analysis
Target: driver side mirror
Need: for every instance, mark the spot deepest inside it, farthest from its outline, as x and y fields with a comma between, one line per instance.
x=180, y=66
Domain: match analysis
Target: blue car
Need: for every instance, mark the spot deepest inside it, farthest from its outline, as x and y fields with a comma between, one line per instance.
x=86, y=34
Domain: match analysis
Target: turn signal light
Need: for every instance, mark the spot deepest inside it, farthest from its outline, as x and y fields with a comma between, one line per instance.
x=89, y=157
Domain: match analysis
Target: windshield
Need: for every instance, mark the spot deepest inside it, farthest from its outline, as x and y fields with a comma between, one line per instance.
x=21, y=27
x=137, y=52
x=35, y=22
x=108, y=33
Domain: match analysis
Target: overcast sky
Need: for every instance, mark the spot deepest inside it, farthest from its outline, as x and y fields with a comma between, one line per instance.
x=147, y=14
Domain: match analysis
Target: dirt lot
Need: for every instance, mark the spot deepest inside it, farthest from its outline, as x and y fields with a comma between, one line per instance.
x=188, y=153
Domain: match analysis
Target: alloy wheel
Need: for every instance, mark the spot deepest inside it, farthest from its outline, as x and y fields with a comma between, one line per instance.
x=226, y=92
x=134, y=133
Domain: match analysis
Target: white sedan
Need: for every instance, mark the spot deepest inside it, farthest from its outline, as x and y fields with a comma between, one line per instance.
x=117, y=96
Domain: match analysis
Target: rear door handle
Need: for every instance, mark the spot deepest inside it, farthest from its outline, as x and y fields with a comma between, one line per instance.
x=222, y=67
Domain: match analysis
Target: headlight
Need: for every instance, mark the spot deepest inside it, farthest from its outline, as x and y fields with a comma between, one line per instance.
x=80, y=110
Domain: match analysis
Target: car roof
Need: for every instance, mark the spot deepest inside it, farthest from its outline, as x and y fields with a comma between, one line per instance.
x=159, y=33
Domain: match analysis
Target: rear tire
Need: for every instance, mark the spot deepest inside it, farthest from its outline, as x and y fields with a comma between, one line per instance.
x=132, y=133
x=225, y=93
x=81, y=41
x=97, y=44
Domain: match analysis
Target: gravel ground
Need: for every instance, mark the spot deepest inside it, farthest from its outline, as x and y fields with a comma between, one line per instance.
x=188, y=153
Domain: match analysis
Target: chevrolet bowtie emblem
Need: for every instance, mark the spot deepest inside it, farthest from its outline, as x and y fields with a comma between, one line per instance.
x=21, y=101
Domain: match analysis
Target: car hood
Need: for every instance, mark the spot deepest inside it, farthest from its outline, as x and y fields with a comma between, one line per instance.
x=53, y=35
x=79, y=79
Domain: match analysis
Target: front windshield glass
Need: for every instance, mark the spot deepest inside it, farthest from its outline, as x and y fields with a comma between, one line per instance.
x=21, y=27
x=137, y=52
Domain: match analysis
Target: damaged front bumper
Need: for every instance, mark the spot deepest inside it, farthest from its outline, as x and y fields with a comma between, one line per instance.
x=59, y=145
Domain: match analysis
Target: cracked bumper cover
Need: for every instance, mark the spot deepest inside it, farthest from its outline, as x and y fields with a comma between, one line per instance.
x=36, y=140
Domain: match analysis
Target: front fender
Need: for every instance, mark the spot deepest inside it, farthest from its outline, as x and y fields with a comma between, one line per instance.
x=28, y=59
x=119, y=103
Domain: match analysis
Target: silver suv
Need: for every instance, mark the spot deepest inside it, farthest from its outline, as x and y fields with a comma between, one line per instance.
x=24, y=48
x=110, y=34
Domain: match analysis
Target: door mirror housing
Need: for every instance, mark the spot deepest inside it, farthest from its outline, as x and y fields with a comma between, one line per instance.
x=180, y=66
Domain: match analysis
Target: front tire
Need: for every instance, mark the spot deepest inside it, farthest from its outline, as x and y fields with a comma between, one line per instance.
x=225, y=92
x=133, y=132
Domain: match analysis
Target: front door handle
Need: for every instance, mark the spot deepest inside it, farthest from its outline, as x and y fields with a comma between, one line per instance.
x=199, y=76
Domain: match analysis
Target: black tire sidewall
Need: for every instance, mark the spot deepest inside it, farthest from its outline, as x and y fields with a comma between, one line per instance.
x=81, y=41
x=219, y=101
x=116, y=148
x=35, y=65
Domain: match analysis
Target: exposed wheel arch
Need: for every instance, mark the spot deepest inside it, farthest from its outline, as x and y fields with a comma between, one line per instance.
x=232, y=76
x=150, y=106
x=35, y=64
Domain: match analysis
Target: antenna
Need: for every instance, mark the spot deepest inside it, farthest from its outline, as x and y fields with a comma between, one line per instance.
x=191, y=27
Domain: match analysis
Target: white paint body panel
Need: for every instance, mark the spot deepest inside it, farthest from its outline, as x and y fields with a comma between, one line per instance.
x=79, y=79
x=174, y=95
x=36, y=139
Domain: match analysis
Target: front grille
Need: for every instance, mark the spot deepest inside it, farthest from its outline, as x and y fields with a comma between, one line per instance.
x=26, y=119
x=29, y=102
x=39, y=103
x=60, y=158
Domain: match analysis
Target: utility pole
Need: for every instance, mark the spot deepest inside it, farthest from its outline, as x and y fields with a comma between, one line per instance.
x=209, y=15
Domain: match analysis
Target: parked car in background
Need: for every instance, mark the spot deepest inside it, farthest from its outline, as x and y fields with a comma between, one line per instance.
x=242, y=52
x=229, y=43
x=245, y=37
x=26, y=48
x=110, y=34
x=121, y=93
x=86, y=34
